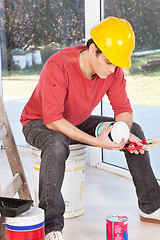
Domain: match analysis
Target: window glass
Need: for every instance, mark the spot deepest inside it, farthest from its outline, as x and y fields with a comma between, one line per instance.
x=33, y=31
x=143, y=78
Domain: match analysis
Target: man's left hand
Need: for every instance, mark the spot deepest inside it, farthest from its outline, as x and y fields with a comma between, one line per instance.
x=133, y=138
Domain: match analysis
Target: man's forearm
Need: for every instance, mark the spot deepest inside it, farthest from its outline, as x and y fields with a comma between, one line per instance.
x=125, y=117
x=72, y=132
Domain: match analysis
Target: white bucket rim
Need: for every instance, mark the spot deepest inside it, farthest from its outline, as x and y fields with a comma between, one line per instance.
x=33, y=216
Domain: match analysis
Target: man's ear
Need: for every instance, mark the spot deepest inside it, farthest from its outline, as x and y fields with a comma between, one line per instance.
x=92, y=49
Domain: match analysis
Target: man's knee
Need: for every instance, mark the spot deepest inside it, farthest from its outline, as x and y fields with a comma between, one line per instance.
x=58, y=142
x=137, y=130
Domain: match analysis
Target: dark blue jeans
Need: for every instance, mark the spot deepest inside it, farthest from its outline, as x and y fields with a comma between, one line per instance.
x=55, y=151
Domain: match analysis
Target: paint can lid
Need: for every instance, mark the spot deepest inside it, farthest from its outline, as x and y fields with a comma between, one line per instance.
x=119, y=218
x=31, y=217
x=120, y=130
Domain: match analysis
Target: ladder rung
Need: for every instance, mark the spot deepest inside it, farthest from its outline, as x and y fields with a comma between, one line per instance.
x=13, y=186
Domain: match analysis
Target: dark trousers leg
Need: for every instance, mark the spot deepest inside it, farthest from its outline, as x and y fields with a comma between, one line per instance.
x=54, y=152
x=147, y=187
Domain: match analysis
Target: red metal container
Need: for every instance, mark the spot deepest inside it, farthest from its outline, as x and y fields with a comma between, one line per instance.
x=116, y=228
x=29, y=225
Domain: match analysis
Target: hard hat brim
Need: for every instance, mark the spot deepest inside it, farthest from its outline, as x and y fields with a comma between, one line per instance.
x=123, y=63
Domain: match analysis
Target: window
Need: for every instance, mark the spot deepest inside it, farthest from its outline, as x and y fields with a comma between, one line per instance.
x=143, y=78
x=32, y=32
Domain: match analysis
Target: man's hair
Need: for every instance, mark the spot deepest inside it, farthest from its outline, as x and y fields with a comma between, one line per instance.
x=89, y=42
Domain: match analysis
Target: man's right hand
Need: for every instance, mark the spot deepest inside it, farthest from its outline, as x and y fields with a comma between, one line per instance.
x=105, y=142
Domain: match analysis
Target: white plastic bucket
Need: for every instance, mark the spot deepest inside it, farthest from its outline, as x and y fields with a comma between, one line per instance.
x=29, y=60
x=37, y=59
x=20, y=61
x=28, y=225
x=73, y=188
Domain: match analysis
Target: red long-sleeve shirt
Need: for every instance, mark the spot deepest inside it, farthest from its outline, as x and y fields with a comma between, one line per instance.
x=64, y=92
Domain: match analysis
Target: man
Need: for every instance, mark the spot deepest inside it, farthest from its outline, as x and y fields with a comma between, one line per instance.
x=72, y=82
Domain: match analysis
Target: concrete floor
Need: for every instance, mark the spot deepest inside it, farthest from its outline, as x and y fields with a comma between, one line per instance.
x=105, y=194
x=108, y=194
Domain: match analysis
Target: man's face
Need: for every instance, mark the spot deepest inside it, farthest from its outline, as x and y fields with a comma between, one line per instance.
x=102, y=66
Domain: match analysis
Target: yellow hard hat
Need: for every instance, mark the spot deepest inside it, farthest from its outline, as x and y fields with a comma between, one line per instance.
x=116, y=39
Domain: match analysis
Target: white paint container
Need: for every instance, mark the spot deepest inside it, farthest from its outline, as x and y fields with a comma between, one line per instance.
x=29, y=60
x=28, y=225
x=19, y=61
x=119, y=131
x=73, y=188
x=37, y=59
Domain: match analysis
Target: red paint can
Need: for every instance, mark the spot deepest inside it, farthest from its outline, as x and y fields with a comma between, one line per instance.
x=117, y=228
x=29, y=225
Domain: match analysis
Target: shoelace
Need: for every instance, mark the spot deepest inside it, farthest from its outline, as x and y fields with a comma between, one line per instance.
x=55, y=236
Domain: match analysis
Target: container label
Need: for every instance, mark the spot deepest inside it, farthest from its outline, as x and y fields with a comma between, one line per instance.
x=25, y=232
x=117, y=228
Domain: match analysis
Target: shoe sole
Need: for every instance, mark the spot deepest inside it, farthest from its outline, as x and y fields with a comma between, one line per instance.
x=149, y=220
